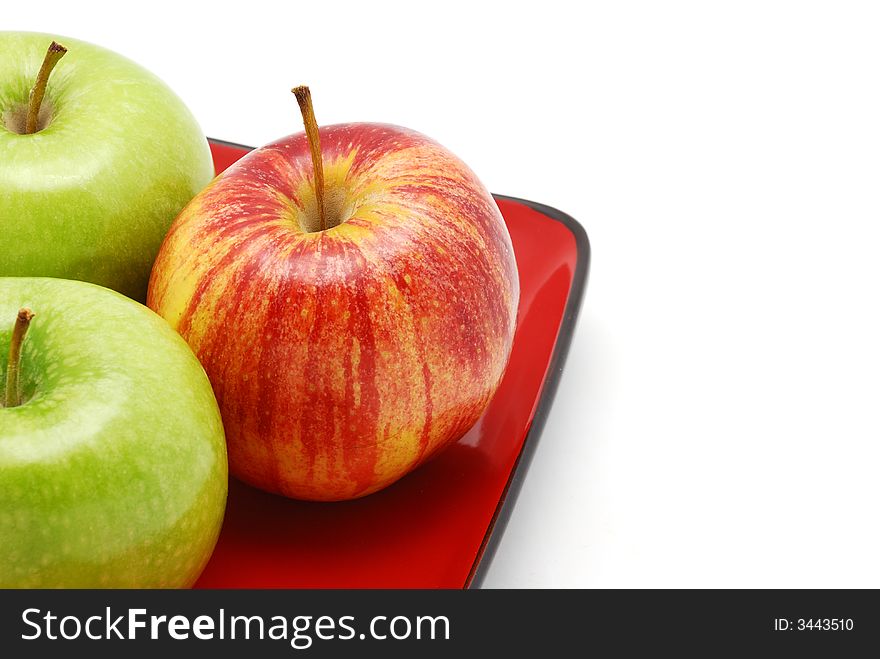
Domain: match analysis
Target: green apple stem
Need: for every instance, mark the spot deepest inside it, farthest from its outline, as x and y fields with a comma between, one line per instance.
x=35, y=99
x=304, y=98
x=13, y=370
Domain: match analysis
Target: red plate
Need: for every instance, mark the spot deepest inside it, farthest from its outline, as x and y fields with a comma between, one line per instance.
x=439, y=526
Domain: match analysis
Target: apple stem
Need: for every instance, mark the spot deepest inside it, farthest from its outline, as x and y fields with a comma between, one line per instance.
x=13, y=370
x=35, y=99
x=304, y=98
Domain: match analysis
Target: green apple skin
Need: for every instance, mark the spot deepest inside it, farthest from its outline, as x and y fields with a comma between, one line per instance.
x=113, y=470
x=92, y=195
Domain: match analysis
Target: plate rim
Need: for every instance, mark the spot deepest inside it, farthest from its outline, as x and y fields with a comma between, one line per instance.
x=509, y=495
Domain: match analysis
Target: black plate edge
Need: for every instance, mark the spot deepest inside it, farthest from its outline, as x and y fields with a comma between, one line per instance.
x=214, y=140
x=503, y=511
x=497, y=526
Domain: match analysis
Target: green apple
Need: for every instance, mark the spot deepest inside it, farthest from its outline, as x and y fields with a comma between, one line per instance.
x=113, y=465
x=114, y=157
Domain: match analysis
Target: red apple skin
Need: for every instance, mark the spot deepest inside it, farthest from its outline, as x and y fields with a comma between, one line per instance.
x=342, y=359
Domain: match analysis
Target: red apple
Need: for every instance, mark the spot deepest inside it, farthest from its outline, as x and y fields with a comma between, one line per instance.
x=342, y=357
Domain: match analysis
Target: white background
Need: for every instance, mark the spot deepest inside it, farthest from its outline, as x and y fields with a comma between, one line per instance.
x=718, y=421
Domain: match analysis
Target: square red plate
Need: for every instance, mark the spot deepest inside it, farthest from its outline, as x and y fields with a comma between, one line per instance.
x=439, y=526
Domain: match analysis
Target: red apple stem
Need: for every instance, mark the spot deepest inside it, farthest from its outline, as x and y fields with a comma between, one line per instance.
x=304, y=98
x=35, y=99
x=13, y=370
